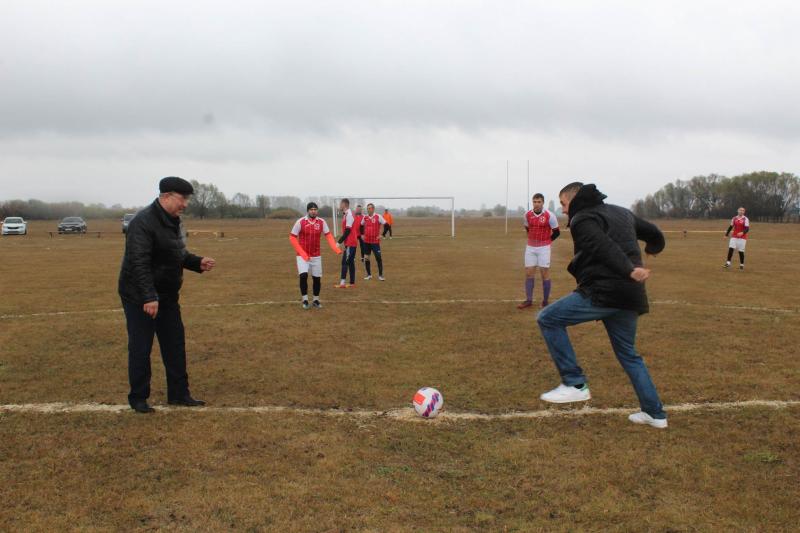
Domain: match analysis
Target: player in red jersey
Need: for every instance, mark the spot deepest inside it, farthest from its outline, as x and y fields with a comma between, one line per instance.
x=371, y=230
x=305, y=238
x=541, y=226
x=358, y=216
x=740, y=225
x=349, y=238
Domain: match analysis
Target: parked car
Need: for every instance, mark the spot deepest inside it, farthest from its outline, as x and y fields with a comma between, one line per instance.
x=126, y=220
x=72, y=225
x=15, y=226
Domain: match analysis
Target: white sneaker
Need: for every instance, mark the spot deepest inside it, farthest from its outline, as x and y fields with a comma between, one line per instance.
x=643, y=418
x=381, y=278
x=727, y=264
x=368, y=277
x=565, y=394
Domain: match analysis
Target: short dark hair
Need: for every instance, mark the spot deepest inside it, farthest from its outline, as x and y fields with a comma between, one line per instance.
x=538, y=195
x=571, y=188
x=346, y=201
x=371, y=204
x=311, y=205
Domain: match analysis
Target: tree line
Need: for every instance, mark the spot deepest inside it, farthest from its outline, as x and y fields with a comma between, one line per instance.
x=39, y=210
x=767, y=196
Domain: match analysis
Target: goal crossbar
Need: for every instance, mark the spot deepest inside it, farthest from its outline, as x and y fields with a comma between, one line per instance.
x=452, y=200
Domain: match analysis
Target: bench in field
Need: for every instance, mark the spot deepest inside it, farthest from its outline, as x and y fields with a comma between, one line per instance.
x=196, y=232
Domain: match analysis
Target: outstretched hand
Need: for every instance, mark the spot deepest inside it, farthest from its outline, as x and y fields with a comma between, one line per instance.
x=640, y=274
x=207, y=264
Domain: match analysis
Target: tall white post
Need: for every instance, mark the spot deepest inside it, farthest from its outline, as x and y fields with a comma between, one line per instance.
x=335, y=235
x=453, y=217
x=529, y=184
x=507, y=164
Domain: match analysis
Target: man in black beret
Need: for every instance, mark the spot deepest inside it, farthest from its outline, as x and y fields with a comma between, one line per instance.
x=149, y=285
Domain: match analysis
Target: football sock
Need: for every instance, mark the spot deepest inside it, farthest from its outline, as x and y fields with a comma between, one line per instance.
x=367, y=266
x=730, y=254
x=741, y=257
x=317, y=285
x=304, y=285
x=529, y=289
x=546, y=289
x=379, y=259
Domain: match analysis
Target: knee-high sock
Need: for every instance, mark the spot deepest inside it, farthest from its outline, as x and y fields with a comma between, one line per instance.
x=546, y=288
x=304, y=285
x=367, y=266
x=529, y=289
x=741, y=257
x=317, y=285
x=379, y=259
x=730, y=254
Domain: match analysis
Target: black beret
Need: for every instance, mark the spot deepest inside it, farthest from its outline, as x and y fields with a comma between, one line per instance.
x=175, y=184
x=311, y=205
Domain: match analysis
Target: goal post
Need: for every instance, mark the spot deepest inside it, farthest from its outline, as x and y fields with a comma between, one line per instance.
x=451, y=199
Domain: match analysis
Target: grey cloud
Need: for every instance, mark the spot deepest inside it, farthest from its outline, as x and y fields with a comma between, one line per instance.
x=626, y=69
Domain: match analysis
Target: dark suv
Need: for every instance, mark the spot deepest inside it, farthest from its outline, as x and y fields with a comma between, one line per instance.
x=72, y=225
x=127, y=220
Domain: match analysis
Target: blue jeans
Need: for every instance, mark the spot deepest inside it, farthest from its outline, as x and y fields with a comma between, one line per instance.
x=621, y=327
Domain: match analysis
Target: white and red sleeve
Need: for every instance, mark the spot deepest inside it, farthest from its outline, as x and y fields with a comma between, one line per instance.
x=553, y=220
x=296, y=227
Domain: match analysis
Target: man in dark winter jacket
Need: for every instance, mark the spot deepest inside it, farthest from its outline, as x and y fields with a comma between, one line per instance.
x=149, y=282
x=607, y=264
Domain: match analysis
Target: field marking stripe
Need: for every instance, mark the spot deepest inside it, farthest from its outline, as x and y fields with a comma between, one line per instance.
x=396, y=302
x=405, y=413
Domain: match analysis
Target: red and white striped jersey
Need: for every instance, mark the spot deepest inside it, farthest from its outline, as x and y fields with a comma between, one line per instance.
x=739, y=224
x=540, y=227
x=348, y=221
x=308, y=231
x=371, y=226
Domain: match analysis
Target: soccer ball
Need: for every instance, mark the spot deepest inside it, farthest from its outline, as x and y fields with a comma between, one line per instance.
x=428, y=402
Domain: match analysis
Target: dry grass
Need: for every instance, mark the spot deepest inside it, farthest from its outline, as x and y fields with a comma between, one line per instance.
x=711, y=470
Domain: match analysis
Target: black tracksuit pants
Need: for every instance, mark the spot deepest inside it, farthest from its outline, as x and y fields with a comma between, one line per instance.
x=168, y=327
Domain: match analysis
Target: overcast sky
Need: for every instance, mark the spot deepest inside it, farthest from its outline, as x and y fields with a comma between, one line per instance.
x=100, y=99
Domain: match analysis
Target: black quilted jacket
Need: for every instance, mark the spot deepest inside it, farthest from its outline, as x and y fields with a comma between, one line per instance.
x=607, y=250
x=155, y=256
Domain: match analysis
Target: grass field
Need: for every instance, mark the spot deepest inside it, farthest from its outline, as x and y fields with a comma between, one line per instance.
x=445, y=317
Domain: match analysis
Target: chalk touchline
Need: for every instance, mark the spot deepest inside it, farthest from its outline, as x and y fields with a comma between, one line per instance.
x=404, y=413
x=391, y=302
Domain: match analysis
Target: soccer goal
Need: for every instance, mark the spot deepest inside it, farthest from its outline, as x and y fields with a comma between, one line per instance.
x=406, y=213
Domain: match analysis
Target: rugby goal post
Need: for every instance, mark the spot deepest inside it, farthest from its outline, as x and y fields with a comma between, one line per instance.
x=451, y=199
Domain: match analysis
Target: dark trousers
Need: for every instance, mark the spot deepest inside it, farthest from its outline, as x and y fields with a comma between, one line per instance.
x=374, y=247
x=349, y=263
x=168, y=327
x=387, y=228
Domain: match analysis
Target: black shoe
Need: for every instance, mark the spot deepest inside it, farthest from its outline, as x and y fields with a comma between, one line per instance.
x=187, y=401
x=317, y=304
x=142, y=407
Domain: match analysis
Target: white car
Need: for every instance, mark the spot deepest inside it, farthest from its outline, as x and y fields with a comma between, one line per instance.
x=15, y=226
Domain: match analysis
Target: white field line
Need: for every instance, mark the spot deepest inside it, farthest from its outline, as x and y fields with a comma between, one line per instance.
x=405, y=413
x=397, y=302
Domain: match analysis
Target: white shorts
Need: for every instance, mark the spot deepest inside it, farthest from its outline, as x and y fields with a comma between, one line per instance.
x=537, y=256
x=312, y=266
x=737, y=244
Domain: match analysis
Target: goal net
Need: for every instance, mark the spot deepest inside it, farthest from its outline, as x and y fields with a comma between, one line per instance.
x=414, y=216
